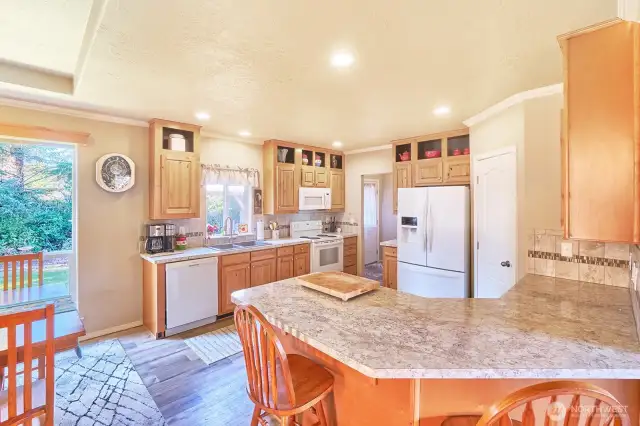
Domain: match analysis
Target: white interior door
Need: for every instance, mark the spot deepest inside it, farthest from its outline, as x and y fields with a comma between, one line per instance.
x=496, y=232
x=371, y=222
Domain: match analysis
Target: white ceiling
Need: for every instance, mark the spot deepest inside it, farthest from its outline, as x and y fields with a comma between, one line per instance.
x=264, y=65
x=44, y=34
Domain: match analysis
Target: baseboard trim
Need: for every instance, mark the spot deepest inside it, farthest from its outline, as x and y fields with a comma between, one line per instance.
x=111, y=330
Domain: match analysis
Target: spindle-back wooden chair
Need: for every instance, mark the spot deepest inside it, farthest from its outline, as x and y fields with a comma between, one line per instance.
x=587, y=400
x=17, y=402
x=280, y=385
x=16, y=264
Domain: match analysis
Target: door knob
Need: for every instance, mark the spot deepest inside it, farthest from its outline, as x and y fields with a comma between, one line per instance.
x=506, y=264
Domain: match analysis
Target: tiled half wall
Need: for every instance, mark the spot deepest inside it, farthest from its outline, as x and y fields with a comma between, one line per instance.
x=590, y=261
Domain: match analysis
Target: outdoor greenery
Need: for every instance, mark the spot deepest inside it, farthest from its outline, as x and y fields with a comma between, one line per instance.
x=35, y=197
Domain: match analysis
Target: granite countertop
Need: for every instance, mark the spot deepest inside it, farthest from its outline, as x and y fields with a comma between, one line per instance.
x=203, y=252
x=389, y=243
x=542, y=328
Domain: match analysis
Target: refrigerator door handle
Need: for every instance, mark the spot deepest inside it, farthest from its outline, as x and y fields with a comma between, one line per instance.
x=431, y=233
x=426, y=227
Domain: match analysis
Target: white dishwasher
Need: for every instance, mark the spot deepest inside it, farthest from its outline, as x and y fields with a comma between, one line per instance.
x=192, y=294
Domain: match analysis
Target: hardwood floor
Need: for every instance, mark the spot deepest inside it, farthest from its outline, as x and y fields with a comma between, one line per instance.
x=186, y=390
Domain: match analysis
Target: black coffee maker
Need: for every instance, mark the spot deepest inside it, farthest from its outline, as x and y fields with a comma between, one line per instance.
x=160, y=238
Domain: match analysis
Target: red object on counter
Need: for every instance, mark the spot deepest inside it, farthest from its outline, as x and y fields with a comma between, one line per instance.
x=405, y=156
x=432, y=153
x=456, y=151
x=466, y=151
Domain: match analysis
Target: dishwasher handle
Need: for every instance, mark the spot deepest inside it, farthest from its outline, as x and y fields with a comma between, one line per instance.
x=193, y=263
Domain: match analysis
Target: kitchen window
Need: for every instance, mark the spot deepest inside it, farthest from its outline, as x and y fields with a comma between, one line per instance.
x=37, y=206
x=227, y=200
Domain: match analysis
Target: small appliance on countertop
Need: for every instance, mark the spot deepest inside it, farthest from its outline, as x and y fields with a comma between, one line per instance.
x=160, y=238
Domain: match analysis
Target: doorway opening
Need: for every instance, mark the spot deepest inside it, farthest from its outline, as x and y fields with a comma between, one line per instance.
x=378, y=221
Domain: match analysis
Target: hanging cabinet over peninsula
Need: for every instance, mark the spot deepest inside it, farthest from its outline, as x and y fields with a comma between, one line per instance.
x=600, y=133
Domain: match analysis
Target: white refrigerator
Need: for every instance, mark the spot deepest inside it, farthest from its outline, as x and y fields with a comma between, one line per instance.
x=433, y=241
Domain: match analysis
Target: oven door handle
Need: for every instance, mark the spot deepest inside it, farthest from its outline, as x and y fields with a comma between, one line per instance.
x=330, y=245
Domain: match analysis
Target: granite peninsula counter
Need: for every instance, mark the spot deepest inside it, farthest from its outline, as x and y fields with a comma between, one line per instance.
x=542, y=329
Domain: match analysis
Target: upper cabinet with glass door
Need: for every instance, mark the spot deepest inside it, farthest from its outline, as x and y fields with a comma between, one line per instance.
x=174, y=170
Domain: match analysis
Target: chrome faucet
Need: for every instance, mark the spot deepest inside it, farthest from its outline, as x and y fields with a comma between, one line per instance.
x=228, y=227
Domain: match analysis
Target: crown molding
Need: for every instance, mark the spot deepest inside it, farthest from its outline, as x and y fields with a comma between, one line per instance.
x=107, y=118
x=214, y=135
x=72, y=112
x=370, y=149
x=511, y=101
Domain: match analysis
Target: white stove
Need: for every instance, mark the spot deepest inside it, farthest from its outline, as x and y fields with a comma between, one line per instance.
x=326, y=249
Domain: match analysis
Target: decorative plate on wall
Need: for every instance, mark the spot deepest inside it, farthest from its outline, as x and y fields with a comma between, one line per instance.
x=115, y=172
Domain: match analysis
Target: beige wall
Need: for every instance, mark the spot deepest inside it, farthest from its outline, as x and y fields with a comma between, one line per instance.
x=507, y=129
x=388, y=226
x=358, y=165
x=542, y=162
x=109, y=267
x=533, y=128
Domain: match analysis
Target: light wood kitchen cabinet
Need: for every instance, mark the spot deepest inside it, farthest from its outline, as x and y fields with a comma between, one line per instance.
x=288, y=166
x=390, y=268
x=301, y=264
x=428, y=160
x=350, y=259
x=286, y=189
x=401, y=179
x=232, y=278
x=336, y=178
x=263, y=272
x=314, y=177
x=427, y=172
x=457, y=170
x=285, y=267
x=180, y=186
x=174, y=171
x=600, y=143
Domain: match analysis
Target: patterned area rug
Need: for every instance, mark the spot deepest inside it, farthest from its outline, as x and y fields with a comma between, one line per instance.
x=373, y=271
x=216, y=345
x=102, y=388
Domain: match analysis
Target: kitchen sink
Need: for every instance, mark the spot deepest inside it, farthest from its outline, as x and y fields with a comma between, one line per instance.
x=251, y=244
x=222, y=247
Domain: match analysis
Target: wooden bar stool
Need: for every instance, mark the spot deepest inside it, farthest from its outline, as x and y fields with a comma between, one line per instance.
x=583, y=400
x=280, y=385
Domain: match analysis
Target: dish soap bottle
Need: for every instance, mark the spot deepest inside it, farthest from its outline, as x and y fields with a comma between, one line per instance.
x=181, y=239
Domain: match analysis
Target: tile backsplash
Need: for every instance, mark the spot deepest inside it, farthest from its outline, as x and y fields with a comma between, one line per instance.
x=195, y=235
x=590, y=261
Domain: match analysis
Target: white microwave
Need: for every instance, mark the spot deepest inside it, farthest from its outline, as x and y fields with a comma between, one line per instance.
x=315, y=199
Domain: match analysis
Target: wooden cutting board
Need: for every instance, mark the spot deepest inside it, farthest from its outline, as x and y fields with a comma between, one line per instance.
x=338, y=284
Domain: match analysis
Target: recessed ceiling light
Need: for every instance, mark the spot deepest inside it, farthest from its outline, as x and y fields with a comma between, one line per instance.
x=203, y=116
x=442, y=110
x=342, y=59
x=244, y=133
x=337, y=144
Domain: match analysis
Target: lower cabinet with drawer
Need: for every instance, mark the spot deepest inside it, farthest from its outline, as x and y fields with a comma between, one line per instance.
x=244, y=270
x=350, y=260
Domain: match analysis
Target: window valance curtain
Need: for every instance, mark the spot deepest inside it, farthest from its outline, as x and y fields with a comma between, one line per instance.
x=215, y=174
